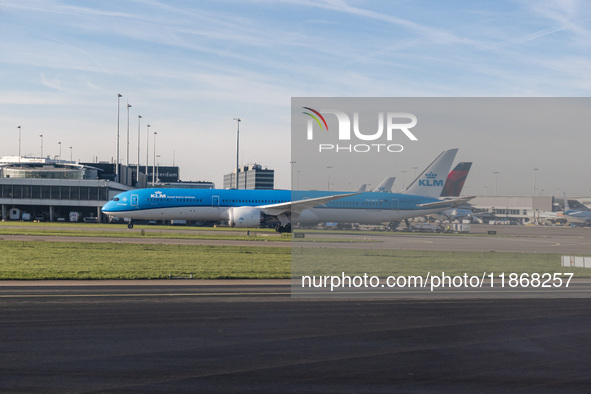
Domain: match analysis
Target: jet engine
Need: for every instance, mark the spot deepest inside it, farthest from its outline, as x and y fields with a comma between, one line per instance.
x=245, y=217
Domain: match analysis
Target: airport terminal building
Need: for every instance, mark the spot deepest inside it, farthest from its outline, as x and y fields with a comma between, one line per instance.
x=45, y=189
x=521, y=209
x=252, y=176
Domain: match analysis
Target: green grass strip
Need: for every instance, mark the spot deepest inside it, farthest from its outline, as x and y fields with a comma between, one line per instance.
x=59, y=260
x=334, y=261
x=141, y=233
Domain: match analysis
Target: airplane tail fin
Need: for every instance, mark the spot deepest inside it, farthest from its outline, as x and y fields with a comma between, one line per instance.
x=566, y=207
x=455, y=180
x=362, y=188
x=386, y=185
x=430, y=182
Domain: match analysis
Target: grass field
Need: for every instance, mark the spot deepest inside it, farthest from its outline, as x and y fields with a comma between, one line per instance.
x=334, y=261
x=88, y=260
x=60, y=260
x=142, y=233
x=122, y=227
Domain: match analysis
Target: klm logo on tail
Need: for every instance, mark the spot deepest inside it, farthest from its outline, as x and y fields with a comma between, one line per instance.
x=431, y=180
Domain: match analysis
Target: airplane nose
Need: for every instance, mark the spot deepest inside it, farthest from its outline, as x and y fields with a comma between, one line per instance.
x=107, y=207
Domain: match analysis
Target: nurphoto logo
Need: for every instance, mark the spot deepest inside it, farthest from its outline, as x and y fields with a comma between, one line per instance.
x=397, y=124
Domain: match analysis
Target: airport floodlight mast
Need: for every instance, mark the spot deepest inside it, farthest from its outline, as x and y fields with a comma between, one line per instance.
x=329, y=168
x=535, y=172
x=19, y=144
x=137, y=169
x=41, y=135
x=154, y=164
x=238, y=120
x=70, y=153
x=117, y=163
x=147, y=151
x=157, y=166
x=127, y=152
x=403, y=179
x=60, y=154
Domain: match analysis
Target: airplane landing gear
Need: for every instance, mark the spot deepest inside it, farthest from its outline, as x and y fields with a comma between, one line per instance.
x=130, y=225
x=408, y=227
x=283, y=229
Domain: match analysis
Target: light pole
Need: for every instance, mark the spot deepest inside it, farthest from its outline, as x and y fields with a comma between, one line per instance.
x=41, y=135
x=19, y=144
x=403, y=180
x=154, y=164
x=535, y=172
x=329, y=168
x=496, y=181
x=147, y=151
x=60, y=154
x=127, y=152
x=157, y=165
x=117, y=163
x=70, y=153
x=137, y=169
x=238, y=120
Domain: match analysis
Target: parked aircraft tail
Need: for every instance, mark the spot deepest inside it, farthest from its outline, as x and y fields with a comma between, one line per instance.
x=430, y=182
x=386, y=185
x=455, y=180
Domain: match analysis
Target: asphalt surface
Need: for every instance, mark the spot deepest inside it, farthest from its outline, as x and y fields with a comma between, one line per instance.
x=136, y=337
x=251, y=336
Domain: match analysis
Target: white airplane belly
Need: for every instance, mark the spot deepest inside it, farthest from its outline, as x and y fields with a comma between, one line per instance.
x=362, y=216
x=174, y=213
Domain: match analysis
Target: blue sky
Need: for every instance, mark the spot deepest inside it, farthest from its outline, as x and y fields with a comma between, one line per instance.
x=190, y=67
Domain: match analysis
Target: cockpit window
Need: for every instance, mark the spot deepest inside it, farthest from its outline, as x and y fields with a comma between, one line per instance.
x=116, y=199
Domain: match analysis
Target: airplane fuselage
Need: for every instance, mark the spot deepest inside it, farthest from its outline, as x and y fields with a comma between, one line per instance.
x=218, y=205
x=581, y=217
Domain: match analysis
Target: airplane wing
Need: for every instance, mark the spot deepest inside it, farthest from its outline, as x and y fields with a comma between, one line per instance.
x=300, y=205
x=446, y=203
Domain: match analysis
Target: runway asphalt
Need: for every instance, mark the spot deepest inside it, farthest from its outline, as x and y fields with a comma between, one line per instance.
x=138, y=337
x=251, y=336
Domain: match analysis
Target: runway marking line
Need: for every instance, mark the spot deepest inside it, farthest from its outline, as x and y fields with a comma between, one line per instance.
x=134, y=295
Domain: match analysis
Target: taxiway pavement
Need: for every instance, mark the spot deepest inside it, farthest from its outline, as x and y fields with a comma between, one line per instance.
x=252, y=337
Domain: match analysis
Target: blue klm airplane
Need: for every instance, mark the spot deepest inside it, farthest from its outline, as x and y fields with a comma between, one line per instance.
x=575, y=217
x=253, y=208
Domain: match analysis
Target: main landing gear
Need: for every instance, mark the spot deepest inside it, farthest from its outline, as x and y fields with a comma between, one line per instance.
x=130, y=225
x=283, y=229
